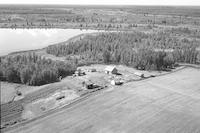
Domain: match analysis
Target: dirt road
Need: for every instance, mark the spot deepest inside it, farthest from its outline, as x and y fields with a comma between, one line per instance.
x=165, y=104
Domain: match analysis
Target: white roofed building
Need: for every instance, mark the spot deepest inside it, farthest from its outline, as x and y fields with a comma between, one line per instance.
x=111, y=70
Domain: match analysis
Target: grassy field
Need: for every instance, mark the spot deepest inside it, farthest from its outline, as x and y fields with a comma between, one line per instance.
x=168, y=103
x=8, y=91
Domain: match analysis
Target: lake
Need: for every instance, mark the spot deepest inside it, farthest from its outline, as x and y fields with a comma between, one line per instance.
x=12, y=40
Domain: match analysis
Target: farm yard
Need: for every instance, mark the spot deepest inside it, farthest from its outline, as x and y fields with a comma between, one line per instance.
x=160, y=104
x=35, y=101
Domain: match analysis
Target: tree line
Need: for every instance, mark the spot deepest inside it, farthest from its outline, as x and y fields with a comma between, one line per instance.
x=146, y=51
x=33, y=70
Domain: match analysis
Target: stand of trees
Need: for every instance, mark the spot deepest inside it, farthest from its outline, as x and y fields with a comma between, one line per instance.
x=157, y=51
x=152, y=51
x=33, y=69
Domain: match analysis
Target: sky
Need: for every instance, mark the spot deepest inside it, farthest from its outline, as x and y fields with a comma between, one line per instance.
x=106, y=2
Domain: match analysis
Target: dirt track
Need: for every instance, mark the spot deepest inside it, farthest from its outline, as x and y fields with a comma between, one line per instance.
x=165, y=104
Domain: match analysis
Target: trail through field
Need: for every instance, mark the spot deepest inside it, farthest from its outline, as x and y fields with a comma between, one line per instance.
x=164, y=104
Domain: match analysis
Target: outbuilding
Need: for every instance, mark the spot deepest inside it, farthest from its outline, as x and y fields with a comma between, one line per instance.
x=111, y=70
x=79, y=72
x=116, y=82
x=139, y=74
x=89, y=85
x=92, y=70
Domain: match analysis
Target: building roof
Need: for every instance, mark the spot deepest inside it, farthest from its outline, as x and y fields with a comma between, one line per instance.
x=139, y=74
x=110, y=68
x=88, y=82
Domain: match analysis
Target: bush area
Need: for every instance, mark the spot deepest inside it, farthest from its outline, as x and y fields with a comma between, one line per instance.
x=33, y=69
x=99, y=17
x=155, y=51
x=191, y=33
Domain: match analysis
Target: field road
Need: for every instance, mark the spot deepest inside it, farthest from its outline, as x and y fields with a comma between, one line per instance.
x=165, y=104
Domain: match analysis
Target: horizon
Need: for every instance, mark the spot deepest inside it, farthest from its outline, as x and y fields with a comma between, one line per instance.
x=97, y=5
x=105, y=2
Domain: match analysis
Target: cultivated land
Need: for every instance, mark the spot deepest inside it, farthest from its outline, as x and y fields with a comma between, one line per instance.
x=169, y=103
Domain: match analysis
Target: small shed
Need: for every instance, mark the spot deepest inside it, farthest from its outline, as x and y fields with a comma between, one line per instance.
x=79, y=72
x=92, y=70
x=89, y=85
x=111, y=70
x=139, y=74
x=116, y=82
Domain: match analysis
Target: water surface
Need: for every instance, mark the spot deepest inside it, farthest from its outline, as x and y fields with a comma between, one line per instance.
x=12, y=40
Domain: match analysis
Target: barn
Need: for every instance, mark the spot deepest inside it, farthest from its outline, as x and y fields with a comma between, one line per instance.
x=111, y=70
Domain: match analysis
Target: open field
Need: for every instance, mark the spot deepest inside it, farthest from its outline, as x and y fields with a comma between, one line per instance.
x=8, y=91
x=169, y=103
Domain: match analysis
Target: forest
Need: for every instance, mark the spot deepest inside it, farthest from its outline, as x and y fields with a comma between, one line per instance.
x=147, y=51
x=33, y=70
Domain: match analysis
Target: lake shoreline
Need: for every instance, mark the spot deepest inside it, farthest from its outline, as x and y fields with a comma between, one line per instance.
x=23, y=40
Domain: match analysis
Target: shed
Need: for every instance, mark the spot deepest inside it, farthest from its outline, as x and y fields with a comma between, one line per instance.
x=79, y=72
x=111, y=70
x=89, y=85
x=116, y=82
x=139, y=74
x=92, y=70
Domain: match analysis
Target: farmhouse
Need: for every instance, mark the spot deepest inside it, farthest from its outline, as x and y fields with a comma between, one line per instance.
x=111, y=70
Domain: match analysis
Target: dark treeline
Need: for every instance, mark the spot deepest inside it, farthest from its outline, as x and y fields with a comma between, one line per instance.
x=33, y=69
x=156, y=51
